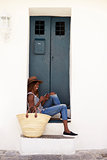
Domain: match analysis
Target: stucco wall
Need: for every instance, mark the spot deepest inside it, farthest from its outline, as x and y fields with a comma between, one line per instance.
x=88, y=73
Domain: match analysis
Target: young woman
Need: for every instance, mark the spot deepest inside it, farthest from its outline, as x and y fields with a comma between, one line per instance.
x=48, y=104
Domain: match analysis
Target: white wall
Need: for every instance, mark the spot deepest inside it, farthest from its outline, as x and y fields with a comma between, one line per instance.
x=89, y=75
x=88, y=70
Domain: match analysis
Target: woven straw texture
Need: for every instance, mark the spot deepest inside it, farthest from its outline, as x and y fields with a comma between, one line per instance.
x=31, y=126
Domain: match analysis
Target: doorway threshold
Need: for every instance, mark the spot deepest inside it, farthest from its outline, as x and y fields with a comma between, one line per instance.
x=57, y=120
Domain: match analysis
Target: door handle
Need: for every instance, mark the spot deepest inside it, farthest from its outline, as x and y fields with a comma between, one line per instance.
x=52, y=57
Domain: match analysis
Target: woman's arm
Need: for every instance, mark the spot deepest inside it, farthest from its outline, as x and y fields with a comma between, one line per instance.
x=31, y=108
x=41, y=100
x=31, y=101
x=46, y=97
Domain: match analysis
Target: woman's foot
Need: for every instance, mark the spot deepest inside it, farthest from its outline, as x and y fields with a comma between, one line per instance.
x=69, y=134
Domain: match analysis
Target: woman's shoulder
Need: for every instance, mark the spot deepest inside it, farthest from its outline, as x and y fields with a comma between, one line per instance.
x=30, y=96
x=30, y=93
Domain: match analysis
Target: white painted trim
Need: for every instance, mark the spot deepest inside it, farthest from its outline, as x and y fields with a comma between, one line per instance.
x=62, y=12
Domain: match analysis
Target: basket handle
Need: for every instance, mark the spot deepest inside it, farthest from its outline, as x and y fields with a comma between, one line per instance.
x=27, y=112
x=34, y=110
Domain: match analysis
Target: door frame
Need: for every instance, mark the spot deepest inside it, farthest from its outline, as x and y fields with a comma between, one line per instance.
x=59, y=12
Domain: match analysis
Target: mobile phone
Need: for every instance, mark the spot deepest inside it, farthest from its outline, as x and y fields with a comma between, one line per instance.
x=46, y=94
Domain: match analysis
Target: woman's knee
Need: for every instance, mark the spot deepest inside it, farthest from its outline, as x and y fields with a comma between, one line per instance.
x=64, y=106
x=54, y=97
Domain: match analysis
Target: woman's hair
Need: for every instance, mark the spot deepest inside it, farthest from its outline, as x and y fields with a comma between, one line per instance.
x=30, y=86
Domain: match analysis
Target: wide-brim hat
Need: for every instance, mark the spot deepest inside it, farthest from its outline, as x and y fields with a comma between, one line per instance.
x=33, y=79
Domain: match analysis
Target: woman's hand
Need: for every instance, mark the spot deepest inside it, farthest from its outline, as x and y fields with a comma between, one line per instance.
x=42, y=98
x=47, y=96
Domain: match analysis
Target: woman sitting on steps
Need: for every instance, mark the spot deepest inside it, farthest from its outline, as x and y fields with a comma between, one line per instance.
x=48, y=104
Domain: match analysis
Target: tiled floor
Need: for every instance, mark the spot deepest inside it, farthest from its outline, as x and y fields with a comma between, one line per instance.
x=79, y=155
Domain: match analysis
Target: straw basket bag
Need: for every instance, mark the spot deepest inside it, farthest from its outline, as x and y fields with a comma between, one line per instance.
x=31, y=126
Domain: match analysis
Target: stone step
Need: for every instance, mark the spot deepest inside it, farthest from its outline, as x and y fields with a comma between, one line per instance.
x=47, y=144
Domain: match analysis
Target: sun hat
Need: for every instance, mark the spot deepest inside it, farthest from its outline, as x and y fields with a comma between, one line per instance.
x=33, y=79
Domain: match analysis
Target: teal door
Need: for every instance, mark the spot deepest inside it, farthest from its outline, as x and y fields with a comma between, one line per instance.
x=49, y=54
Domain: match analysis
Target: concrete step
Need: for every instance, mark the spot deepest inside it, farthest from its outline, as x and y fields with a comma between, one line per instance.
x=47, y=144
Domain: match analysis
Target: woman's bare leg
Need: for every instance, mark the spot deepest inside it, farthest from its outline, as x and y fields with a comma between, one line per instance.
x=66, y=126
